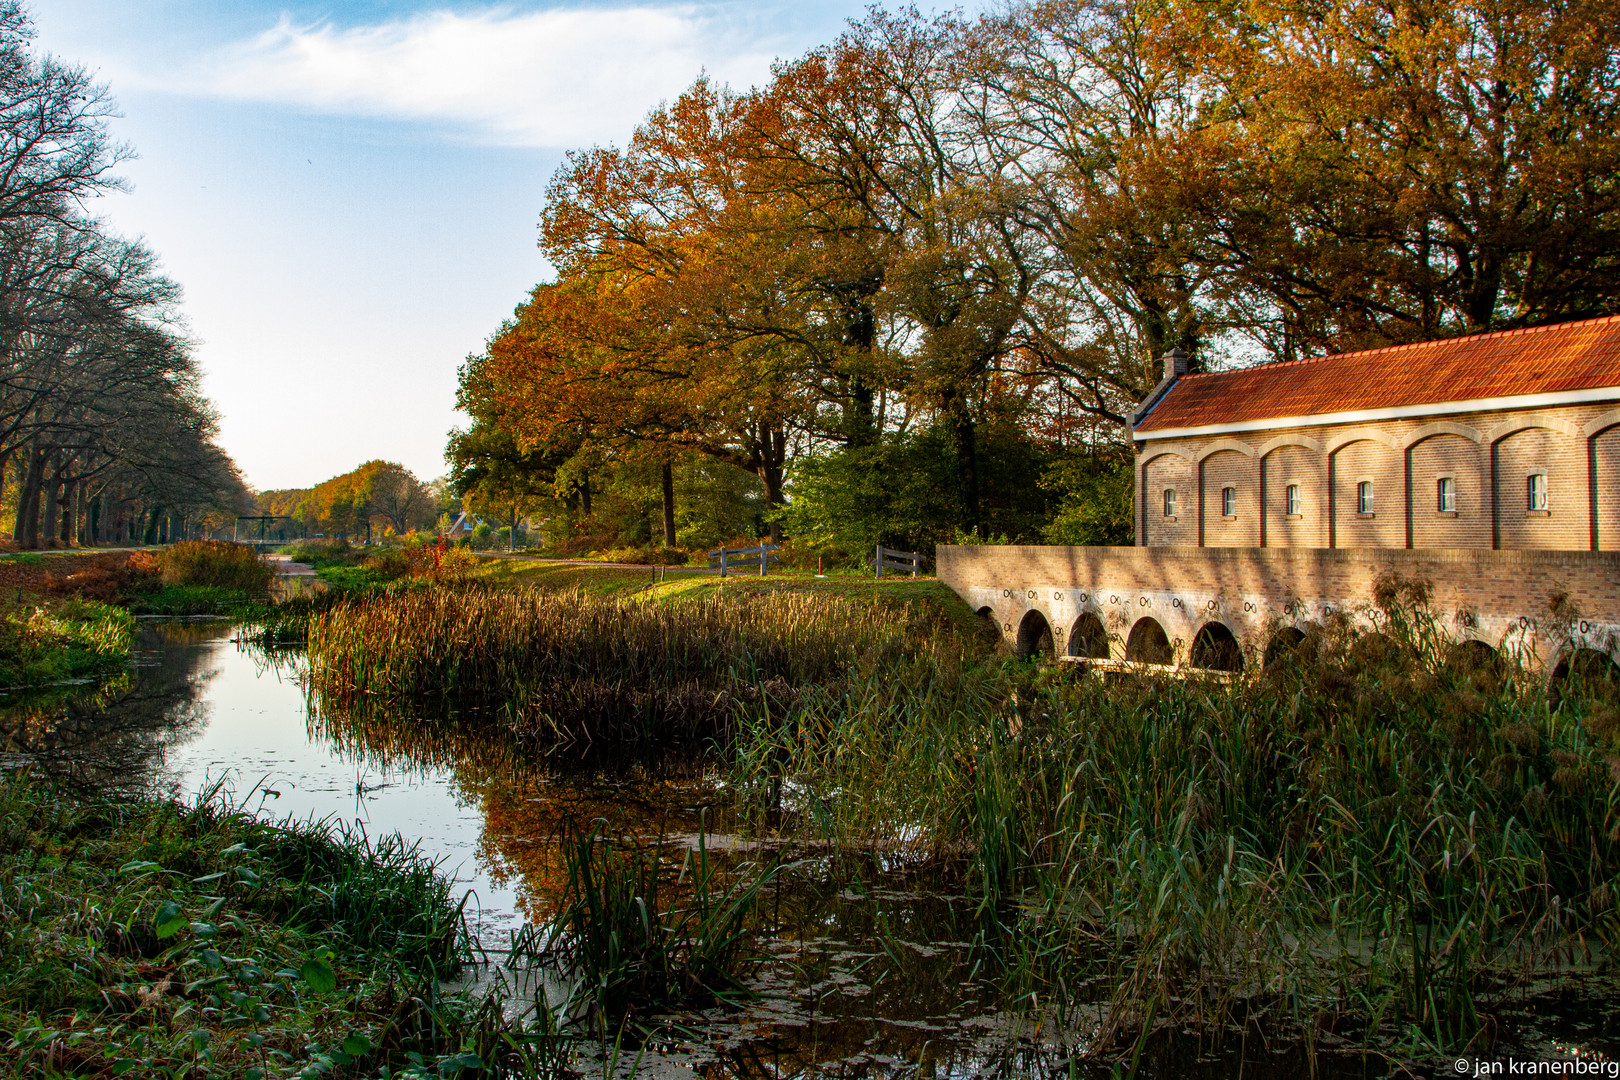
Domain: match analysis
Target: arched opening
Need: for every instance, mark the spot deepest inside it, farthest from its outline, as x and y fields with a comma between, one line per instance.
x=1034, y=636
x=1089, y=638
x=1216, y=647
x=1473, y=655
x=1477, y=663
x=1283, y=647
x=1148, y=643
x=987, y=613
x=1585, y=673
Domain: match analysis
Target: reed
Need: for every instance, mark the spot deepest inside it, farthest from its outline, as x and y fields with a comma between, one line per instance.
x=639, y=943
x=580, y=671
x=1379, y=835
x=1376, y=834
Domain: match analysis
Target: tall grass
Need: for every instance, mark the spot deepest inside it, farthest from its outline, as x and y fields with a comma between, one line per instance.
x=582, y=670
x=1381, y=833
x=1377, y=833
x=635, y=948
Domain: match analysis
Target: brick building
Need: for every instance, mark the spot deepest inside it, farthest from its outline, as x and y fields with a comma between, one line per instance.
x=1269, y=498
x=1508, y=440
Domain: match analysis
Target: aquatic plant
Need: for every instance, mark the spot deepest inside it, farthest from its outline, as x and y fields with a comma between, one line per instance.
x=1380, y=832
x=632, y=946
x=576, y=670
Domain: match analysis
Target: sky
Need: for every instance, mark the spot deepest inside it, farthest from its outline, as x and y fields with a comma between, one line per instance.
x=350, y=193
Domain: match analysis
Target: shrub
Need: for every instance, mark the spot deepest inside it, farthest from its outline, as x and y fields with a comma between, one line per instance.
x=107, y=581
x=218, y=563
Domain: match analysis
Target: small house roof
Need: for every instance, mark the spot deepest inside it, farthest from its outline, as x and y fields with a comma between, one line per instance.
x=1543, y=365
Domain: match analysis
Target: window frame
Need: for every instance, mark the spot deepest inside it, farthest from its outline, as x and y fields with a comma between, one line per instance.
x=1229, y=501
x=1364, y=497
x=1169, y=502
x=1292, y=502
x=1536, y=495
x=1445, y=494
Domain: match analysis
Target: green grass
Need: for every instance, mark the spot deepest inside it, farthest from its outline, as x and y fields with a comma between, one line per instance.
x=181, y=600
x=147, y=938
x=77, y=639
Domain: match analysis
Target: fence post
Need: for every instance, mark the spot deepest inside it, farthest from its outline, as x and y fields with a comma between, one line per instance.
x=878, y=562
x=722, y=562
x=915, y=559
x=764, y=557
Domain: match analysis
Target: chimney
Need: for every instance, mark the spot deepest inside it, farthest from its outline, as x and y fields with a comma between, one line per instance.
x=1175, y=364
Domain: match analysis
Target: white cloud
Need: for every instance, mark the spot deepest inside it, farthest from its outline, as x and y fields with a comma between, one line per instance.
x=552, y=78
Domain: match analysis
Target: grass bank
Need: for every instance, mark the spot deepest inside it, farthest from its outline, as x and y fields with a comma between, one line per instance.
x=1378, y=840
x=143, y=937
x=77, y=639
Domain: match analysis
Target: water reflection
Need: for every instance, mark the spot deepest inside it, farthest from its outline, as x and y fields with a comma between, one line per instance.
x=116, y=733
x=870, y=969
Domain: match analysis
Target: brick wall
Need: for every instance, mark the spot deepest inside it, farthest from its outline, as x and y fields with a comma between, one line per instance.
x=1487, y=456
x=1498, y=597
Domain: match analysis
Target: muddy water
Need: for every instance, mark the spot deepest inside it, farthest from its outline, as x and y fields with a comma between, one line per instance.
x=870, y=969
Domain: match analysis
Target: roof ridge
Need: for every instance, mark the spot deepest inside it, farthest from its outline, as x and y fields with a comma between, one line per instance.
x=1409, y=346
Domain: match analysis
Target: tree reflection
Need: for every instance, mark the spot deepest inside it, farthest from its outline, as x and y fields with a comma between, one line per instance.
x=114, y=734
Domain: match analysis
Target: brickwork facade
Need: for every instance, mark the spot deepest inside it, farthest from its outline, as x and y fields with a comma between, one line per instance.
x=1525, y=479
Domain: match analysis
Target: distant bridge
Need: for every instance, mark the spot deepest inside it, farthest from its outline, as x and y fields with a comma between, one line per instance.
x=1226, y=608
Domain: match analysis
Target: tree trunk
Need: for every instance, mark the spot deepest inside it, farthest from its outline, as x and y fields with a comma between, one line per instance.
x=585, y=495
x=153, y=524
x=964, y=437
x=26, y=529
x=51, y=521
x=668, y=477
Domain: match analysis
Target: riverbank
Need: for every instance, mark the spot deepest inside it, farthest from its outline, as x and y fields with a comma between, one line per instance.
x=146, y=937
x=1377, y=845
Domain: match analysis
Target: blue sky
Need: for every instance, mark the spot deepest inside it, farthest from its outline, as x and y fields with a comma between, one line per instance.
x=349, y=192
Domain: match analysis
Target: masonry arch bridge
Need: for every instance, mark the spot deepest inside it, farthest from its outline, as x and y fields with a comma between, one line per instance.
x=1230, y=609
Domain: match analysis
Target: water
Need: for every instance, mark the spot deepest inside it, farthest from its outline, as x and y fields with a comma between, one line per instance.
x=870, y=972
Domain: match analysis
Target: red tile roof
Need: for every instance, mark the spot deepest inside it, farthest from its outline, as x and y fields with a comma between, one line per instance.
x=1541, y=360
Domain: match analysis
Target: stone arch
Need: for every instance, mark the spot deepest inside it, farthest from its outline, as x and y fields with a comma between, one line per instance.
x=1584, y=670
x=1148, y=643
x=1445, y=427
x=1359, y=435
x=1376, y=458
x=1089, y=637
x=1150, y=457
x=1224, y=444
x=1289, y=440
x=1034, y=635
x=1474, y=653
x=1522, y=449
x=1283, y=647
x=1215, y=646
x=1601, y=423
x=1550, y=423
